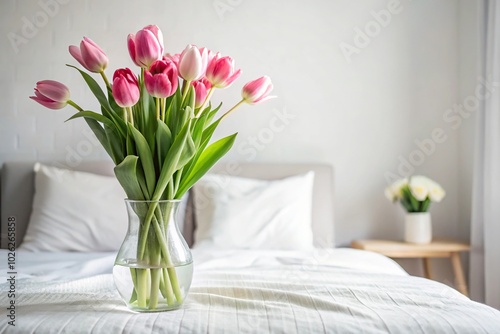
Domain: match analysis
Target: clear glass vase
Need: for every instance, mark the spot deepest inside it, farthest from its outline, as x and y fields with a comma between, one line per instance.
x=154, y=267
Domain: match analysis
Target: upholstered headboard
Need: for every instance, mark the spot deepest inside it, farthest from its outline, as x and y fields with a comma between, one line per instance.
x=17, y=189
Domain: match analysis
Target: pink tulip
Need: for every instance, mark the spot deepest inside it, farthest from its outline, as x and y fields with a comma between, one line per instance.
x=90, y=55
x=221, y=73
x=201, y=88
x=210, y=54
x=193, y=63
x=51, y=94
x=173, y=58
x=125, y=88
x=146, y=46
x=161, y=79
x=257, y=91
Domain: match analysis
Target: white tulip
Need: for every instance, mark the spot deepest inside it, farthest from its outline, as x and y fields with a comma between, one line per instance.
x=393, y=192
x=419, y=187
x=398, y=186
x=436, y=193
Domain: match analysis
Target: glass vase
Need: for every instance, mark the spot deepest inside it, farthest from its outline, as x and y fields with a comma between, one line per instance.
x=154, y=267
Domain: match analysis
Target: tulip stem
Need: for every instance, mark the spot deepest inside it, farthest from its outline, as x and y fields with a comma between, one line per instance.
x=74, y=105
x=163, y=102
x=105, y=78
x=157, y=107
x=125, y=117
x=209, y=95
x=232, y=109
x=130, y=115
x=185, y=89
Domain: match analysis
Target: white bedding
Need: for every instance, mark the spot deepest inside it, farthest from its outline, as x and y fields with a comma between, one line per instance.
x=334, y=291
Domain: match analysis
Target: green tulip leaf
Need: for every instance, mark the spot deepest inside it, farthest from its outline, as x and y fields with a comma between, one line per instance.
x=188, y=151
x=171, y=162
x=163, y=142
x=205, y=139
x=424, y=205
x=145, y=157
x=209, y=131
x=173, y=111
x=147, y=116
x=101, y=136
x=126, y=173
x=207, y=159
x=107, y=110
x=92, y=115
x=198, y=129
x=141, y=178
x=211, y=114
x=115, y=142
x=130, y=145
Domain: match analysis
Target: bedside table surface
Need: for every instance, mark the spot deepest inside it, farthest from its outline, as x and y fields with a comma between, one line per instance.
x=400, y=249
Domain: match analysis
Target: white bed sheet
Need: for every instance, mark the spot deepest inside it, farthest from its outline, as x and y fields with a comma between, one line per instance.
x=323, y=291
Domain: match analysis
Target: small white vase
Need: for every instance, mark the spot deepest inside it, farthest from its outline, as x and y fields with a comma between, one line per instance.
x=418, y=227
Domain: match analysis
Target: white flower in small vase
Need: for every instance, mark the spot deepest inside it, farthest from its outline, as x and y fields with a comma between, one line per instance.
x=415, y=195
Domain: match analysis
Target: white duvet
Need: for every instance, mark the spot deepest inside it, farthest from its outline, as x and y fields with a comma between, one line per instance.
x=323, y=291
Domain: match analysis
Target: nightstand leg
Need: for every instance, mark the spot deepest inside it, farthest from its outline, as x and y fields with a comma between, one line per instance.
x=427, y=268
x=459, y=273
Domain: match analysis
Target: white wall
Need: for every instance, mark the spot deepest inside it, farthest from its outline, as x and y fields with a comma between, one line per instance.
x=362, y=115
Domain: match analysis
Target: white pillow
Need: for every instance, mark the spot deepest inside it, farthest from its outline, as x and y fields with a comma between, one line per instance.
x=75, y=211
x=241, y=213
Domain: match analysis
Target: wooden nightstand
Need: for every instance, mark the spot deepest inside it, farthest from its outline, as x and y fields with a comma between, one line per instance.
x=435, y=249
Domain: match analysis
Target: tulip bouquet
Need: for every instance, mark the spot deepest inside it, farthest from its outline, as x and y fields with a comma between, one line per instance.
x=416, y=193
x=157, y=128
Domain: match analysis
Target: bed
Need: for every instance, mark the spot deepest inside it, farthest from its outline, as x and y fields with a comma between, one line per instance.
x=317, y=290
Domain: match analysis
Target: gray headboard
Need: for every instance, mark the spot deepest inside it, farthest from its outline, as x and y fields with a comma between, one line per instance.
x=17, y=189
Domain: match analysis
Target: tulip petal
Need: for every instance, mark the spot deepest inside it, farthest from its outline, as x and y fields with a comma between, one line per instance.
x=257, y=91
x=90, y=55
x=161, y=79
x=131, y=48
x=53, y=90
x=147, y=48
x=95, y=59
x=201, y=88
x=75, y=52
x=264, y=99
x=48, y=104
x=125, y=88
x=191, y=66
x=232, y=78
x=91, y=42
x=158, y=35
x=163, y=85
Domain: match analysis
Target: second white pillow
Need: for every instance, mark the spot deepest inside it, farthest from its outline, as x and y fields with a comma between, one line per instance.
x=241, y=213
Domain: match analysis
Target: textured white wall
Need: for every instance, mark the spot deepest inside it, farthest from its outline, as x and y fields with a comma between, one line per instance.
x=361, y=114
